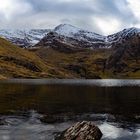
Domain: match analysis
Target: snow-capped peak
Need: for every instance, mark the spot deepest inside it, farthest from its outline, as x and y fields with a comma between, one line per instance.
x=127, y=31
x=124, y=34
x=84, y=38
x=66, y=30
x=132, y=29
x=77, y=33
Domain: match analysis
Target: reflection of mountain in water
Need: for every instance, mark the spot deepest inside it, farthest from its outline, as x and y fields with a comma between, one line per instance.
x=70, y=97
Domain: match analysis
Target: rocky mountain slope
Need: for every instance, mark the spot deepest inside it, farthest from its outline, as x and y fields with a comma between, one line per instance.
x=70, y=52
x=83, y=37
x=118, y=56
x=78, y=38
x=24, y=38
x=126, y=55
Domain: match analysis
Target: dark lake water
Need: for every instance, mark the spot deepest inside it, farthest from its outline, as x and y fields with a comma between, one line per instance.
x=40, y=109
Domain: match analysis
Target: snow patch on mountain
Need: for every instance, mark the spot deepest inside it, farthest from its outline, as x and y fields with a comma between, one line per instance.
x=83, y=35
x=66, y=30
x=24, y=37
x=77, y=33
x=95, y=40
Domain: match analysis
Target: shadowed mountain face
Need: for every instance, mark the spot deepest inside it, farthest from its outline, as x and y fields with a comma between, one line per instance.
x=118, y=56
x=126, y=57
x=70, y=52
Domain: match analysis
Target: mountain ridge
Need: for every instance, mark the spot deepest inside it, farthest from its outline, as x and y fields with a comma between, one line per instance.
x=28, y=38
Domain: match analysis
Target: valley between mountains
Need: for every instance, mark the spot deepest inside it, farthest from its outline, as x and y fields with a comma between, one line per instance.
x=69, y=52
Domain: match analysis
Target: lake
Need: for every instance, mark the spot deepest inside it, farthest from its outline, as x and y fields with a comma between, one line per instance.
x=40, y=109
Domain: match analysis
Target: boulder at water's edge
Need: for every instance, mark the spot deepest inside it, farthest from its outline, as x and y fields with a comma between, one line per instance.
x=81, y=131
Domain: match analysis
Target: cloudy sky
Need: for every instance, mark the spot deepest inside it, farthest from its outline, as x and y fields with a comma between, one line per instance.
x=102, y=16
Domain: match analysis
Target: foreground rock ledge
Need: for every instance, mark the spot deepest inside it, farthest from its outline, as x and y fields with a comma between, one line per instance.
x=81, y=131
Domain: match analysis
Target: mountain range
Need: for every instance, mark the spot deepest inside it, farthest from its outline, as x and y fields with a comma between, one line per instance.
x=69, y=52
x=69, y=34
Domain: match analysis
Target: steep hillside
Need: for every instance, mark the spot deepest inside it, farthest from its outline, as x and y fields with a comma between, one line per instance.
x=19, y=63
x=16, y=62
x=126, y=58
x=78, y=64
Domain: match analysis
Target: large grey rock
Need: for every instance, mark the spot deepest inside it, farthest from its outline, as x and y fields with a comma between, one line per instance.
x=81, y=131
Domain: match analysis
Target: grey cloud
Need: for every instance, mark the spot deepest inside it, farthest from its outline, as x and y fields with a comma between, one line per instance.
x=50, y=13
x=61, y=7
x=115, y=8
x=85, y=10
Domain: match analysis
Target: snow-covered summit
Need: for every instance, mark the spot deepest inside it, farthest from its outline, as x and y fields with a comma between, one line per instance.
x=72, y=35
x=72, y=31
x=66, y=30
x=123, y=35
x=77, y=33
x=24, y=37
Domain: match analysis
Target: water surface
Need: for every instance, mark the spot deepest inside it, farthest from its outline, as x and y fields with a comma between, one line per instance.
x=112, y=104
